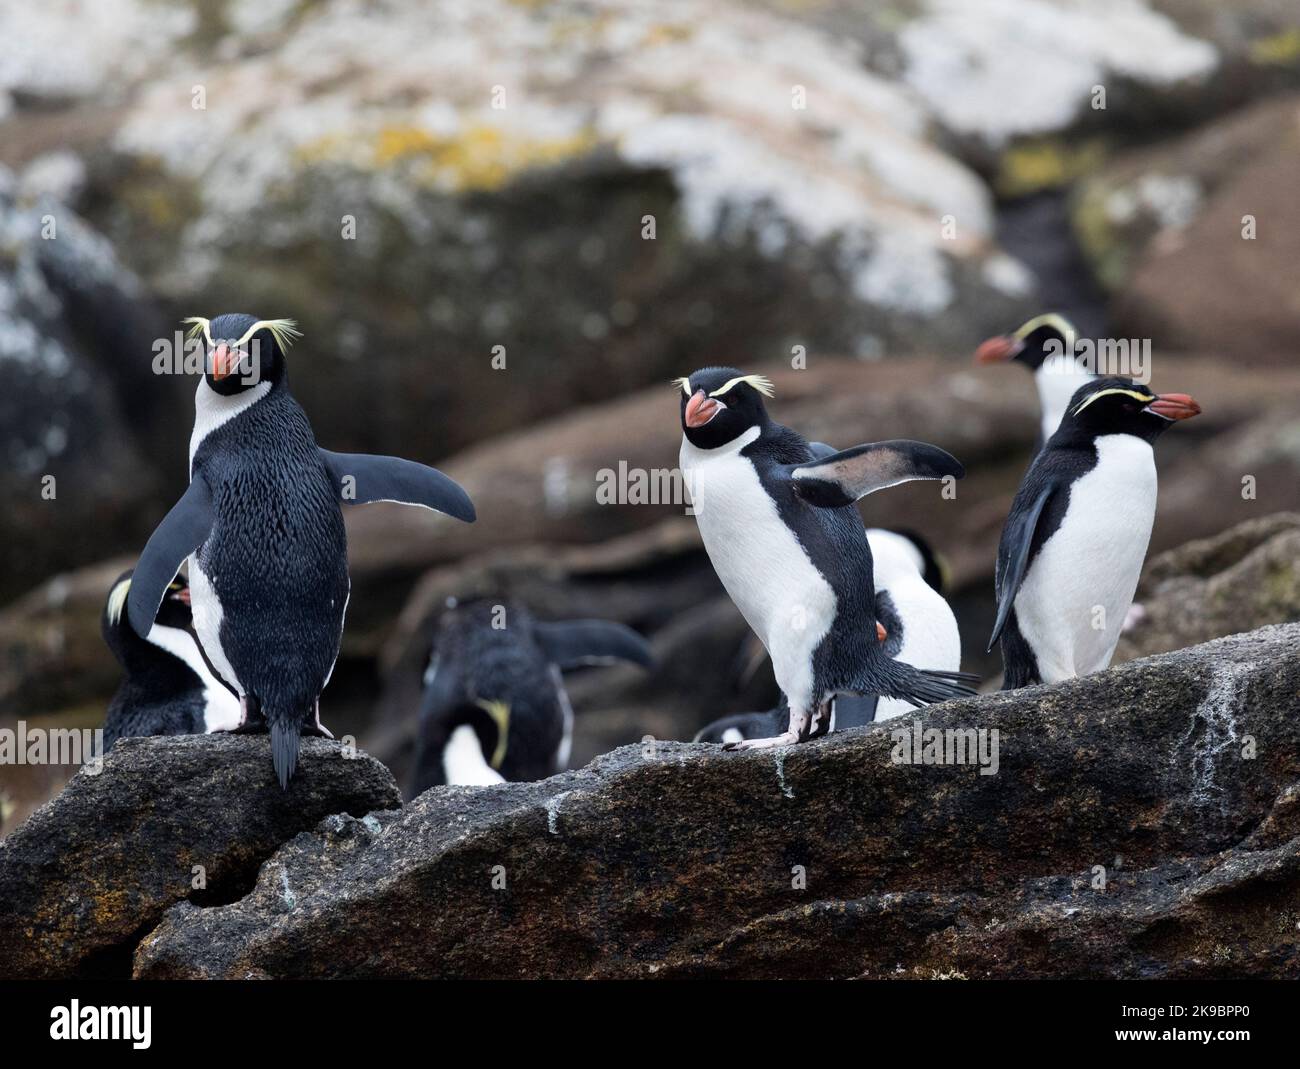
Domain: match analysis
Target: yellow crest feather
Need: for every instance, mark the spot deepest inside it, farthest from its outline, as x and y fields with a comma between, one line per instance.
x=1144, y=398
x=685, y=385
x=117, y=601
x=500, y=714
x=759, y=382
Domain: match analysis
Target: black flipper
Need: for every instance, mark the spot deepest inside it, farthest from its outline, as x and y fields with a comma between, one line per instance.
x=842, y=478
x=1013, y=555
x=362, y=477
x=181, y=532
x=571, y=643
x=855, y=710
x=820, y=450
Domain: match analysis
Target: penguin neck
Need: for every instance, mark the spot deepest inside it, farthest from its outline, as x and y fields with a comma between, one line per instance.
x=1057, y=379
x=693, y=455
x=212, y=409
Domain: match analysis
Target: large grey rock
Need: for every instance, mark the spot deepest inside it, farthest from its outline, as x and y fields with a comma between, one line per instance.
x=72, y=475
x=413, y=225
x=1174, y=778
x=1246, y=577
x=92, y=870
x=1165, y=229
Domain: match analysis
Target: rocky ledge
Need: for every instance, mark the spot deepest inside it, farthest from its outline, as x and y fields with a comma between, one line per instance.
x=1141, y=822
x=164, y=819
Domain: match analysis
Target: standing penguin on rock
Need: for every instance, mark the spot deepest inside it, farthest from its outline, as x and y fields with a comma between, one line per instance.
x=168, y=688
x=779, y=527
x=1072, y=549
x=494, y=707
x=1046, y=345
x=914, y=623
x=262, y=527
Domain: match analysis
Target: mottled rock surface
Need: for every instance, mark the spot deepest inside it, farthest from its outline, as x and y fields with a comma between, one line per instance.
x=1239, y=580
x=1142, y=822
x=91, y=871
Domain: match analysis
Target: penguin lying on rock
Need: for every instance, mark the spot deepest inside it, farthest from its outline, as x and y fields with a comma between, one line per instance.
x=918, y=625
x=168, y=688
x=779, y=528
x=262, y=527
x=494, y=707
x=1046, y=345
x=1073, y=545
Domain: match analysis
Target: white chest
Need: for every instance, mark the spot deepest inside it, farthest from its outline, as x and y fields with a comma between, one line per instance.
x=783, y=597
x=212, y=409
x=1072, y=603
x=222, y=707
x=1057, y=380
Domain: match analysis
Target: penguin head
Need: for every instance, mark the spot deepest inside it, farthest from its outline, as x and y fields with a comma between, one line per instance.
x=1118, y=406
x=719, y=404
x=1031, y=343
x=117, y=630
x=917, y=551
x=242, y=350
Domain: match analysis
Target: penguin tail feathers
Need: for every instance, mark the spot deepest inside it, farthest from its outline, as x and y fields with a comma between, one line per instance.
x=285, y=738
x=923, y=686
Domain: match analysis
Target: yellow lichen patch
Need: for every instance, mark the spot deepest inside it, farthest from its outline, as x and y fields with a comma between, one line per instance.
x=1277, y=50
x=478, y=157
x=1050, y=164
x=665, y=34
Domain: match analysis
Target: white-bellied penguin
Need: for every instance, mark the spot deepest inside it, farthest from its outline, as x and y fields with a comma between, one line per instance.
x=914, y=622
x=494, y=706
x=167, y=688
x=1073, y=545
x=262, y=527
x=781, y=531
x=1048, y=346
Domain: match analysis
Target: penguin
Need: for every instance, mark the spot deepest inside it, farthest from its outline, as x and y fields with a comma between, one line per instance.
x=1046, y=345
x=168, y=688
x=777, y=523
x=262, y=528
x=1073, y=545
x=915, y=623
x=494, y=707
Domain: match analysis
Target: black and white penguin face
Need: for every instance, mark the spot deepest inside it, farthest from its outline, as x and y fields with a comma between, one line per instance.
x=1117, y=406
x=719, y=404
x=242, y=350
x=1031, y=343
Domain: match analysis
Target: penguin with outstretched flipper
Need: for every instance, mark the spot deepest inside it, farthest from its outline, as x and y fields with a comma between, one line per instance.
x=262, y=527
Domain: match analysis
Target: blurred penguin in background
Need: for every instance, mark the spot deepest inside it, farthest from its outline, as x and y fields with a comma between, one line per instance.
x=494, y=708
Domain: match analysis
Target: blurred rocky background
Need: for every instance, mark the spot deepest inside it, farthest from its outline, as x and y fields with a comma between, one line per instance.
x=609, y=194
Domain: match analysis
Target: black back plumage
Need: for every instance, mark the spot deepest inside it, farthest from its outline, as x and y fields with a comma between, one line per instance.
x=848, y=659
x=476, y=662
x=277, y=560
x=159, y=693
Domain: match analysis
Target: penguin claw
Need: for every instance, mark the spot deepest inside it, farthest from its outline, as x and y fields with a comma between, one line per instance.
x=788, y=738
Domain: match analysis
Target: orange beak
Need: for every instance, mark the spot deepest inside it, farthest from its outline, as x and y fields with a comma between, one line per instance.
x=998, y=350
x=881, y=633
x=223, y=362
x=701, y=409
x=1174, y=406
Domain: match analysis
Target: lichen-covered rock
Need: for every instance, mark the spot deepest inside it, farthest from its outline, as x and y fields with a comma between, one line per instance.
x=577, y=187
x=1244, y=578
x=165, y=819
x=1142, y=820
